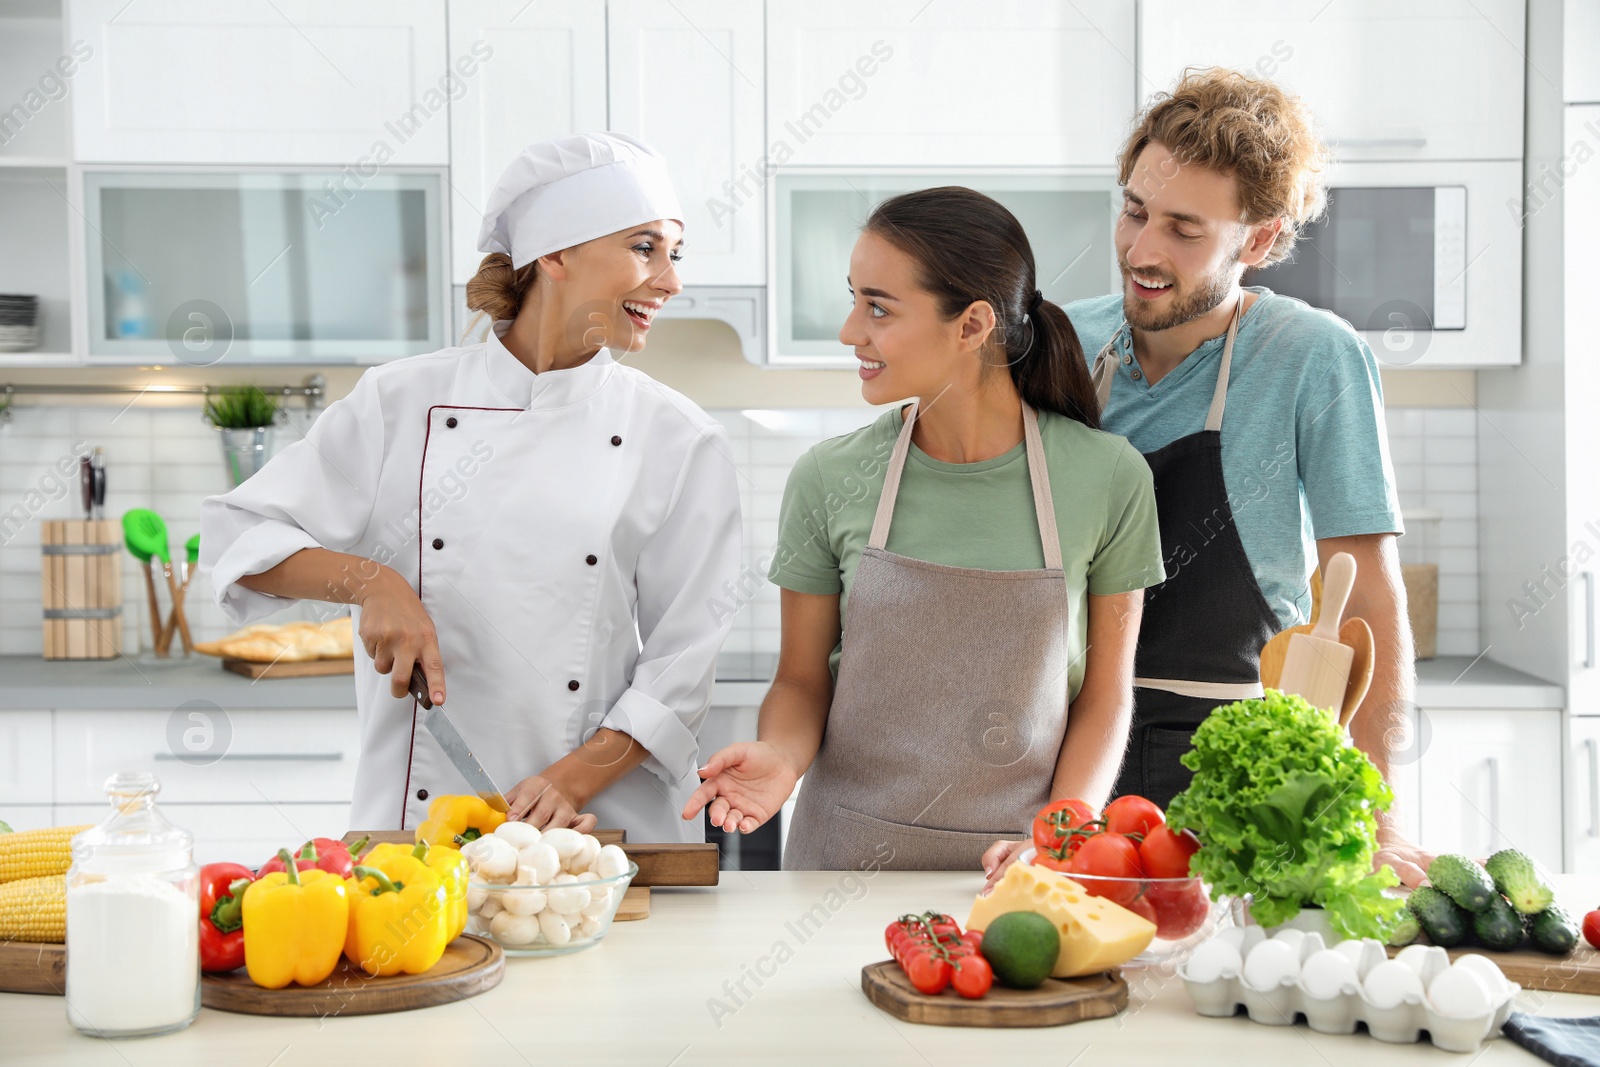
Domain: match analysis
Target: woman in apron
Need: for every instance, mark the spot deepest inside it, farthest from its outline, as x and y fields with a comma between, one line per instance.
x=961, y=579
x=524, y=515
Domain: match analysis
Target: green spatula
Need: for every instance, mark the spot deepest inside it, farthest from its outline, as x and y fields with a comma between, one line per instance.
x=177, y=618
x=146, y=534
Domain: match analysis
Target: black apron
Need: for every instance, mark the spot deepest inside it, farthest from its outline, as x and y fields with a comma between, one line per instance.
x=1203, y=628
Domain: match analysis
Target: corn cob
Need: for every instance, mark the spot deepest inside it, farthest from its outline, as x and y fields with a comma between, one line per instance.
x=34, y=909
x=32, y=853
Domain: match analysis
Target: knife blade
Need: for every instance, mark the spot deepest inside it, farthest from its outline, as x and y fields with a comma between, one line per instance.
x=444, y=731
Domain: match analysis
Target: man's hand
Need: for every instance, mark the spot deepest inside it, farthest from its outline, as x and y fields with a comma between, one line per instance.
x=1408, y=861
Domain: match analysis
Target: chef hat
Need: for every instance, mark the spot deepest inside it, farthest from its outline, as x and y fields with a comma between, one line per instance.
x=564, y=192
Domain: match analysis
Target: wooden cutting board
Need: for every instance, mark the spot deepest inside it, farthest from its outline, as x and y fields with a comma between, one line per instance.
x=304, y=668
x=660, y=864
x=469, y=966
x=1532, y=969
x=1056, y=1003
x=31, y=967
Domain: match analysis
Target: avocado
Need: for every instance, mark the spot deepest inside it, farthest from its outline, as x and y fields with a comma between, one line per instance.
x=1444, y=921
x=1552, y=930
x=1463, y=881
x=1516, y=875
x=1498, y=926
x=1021, y=947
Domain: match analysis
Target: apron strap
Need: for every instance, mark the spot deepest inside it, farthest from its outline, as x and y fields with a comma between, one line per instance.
x=1205, y=690
x=1043, y=502
x=1104, y=372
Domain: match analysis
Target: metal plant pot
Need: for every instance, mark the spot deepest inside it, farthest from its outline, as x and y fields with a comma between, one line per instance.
x=245, y=450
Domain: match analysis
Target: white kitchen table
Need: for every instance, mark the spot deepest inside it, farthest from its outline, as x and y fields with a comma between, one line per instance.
x=664, y=991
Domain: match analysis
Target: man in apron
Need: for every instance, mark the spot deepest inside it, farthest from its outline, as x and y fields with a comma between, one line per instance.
x=1261, y=418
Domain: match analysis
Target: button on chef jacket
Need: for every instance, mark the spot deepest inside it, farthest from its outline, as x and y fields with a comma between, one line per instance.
x=572, y=535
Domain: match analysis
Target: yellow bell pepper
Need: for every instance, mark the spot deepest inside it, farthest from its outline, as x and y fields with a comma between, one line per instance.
x=449, y=864
x=399, y=916
x=452, y=817
x=296, y=924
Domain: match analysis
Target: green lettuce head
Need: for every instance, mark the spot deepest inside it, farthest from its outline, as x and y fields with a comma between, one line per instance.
x=1286, y=811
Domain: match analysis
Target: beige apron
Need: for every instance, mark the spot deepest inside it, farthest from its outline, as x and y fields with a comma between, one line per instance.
x=950, y=706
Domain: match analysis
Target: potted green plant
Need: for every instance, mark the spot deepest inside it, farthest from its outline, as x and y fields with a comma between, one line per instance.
x=244, y=416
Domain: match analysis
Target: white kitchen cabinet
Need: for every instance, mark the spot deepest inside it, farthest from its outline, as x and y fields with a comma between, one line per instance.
x=1581, y=63
x=545, y=78
x=971, y=83
x=1491, y=779
x=241, y=833
x=25, y=763
x=360, y=82
x=1581, y=816
x=1425, y=79
x=203, y=754
x=688, y=78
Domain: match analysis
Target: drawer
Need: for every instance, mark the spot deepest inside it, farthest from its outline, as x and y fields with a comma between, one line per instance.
x=242, y=833
x=25, y=763
x=204, y=754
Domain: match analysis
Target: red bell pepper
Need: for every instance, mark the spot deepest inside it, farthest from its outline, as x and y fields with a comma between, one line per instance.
x=320, y=853
x=222, y=887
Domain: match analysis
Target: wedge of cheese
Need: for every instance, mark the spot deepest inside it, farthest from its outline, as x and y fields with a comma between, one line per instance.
x=1095, y=933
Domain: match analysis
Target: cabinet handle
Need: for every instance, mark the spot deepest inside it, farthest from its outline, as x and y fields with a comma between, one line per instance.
x=1588, y=619
x=283, y=757
x=1594, y=786
x=1494, y=803
x=1383, y=142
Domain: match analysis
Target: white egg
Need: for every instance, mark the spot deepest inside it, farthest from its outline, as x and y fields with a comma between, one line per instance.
x=1217, y=958
x=542, y=858
x=519, y=834
x=1271, y=964
x=588, y=849
x=610, y=862
x=1414, y=956
x=1353, y=951
x=1310, y=945
x=1460, y=993
x=556, y=930
x=1253, y=936
x=1391, y=983
x=1327, y=974
x=1291, y=937
x=1233, y=935
x=1494, y=979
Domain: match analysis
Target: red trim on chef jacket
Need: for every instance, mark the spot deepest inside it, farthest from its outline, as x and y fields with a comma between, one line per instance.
x=427, y=434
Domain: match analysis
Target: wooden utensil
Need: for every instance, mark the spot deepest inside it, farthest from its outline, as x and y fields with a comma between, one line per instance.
x=1354, y=632
x=1317, y=666
x=1057, y=1002
x=660, y=864
x=177, y=616
x=1578, y=972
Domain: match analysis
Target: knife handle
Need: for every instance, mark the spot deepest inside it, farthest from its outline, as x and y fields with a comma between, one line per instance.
x=419, y=685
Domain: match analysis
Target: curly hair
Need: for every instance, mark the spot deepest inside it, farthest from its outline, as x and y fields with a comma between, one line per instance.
x=1246, y=127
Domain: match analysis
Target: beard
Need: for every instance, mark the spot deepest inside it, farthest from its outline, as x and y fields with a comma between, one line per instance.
x=1189, y=301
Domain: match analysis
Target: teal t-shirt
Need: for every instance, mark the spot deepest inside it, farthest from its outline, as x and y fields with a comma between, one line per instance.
x=973, y=515
x=1304, y=450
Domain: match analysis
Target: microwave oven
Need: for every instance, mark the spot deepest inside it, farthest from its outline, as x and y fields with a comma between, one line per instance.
x=1424, y=259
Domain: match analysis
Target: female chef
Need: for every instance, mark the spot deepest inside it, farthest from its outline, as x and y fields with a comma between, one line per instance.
x=983, y=551
x=526, y=515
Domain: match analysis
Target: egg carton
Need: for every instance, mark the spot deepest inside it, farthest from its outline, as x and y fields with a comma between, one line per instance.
x=1292, y=973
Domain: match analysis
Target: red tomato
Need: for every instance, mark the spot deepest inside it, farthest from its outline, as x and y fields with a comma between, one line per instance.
x=1109, y=856
x=1133, y=815
x=973, y=977
x=1062, y=864
x=1055, y=821
x=928, y=973
x=1181, y=909
x=1165, y=852
x=973, y=938
x=1591, y=928
x=1140, y=906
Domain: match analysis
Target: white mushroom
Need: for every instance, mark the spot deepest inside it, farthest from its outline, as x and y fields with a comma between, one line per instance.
x=476, y=895
x=512, y=929
x=588, y=928
x=523, y=901
x=490, y=908
x=556, y=930
x=564, y=840
x=599, y=902
x=566, y=895
x=611, y=862
x=588, y=849
x=492, y=859
x=542, y=859
x=518, y=834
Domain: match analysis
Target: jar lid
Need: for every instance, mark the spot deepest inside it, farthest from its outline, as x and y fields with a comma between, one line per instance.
x=136, y=837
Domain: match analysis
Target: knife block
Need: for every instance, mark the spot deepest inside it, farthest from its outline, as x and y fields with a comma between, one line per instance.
x=80, y=568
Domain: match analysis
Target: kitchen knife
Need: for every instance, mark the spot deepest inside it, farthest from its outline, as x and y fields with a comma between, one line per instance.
x=97, y=482
x=455, y=746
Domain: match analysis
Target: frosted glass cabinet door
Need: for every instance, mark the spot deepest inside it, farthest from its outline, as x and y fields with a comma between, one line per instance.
x=546, y=78
x=193, y=267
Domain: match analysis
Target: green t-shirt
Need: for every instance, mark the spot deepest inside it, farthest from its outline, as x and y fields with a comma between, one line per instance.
x=974, y=515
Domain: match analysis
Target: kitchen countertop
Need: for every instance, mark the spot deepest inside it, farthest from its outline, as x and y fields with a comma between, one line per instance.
x=662, y=992
x=742, y=680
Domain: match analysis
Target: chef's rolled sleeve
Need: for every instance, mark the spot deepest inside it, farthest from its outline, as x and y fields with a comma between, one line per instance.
x=685, y=572
x=317, y=493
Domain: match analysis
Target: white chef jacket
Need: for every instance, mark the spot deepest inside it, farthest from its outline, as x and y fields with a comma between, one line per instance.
x=572, y=535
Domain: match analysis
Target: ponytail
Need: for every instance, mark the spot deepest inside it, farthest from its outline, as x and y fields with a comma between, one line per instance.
x=497, y=289
x=1052, y=375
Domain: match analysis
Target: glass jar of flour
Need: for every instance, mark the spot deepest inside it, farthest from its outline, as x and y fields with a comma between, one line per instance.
x=133, y=929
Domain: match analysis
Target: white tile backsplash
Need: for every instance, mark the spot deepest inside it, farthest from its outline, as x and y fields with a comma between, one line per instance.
x=168, y=460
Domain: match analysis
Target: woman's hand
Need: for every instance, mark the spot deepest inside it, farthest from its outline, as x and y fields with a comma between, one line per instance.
x=745, y=785
x=997, y=857
x=543, y=804
x=398, y=634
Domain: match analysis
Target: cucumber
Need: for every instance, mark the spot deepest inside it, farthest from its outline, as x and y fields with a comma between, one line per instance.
x=1552, y=930
x=1498, y=926
x=1463, y=881
x=1516, y=875
x=1444, y=921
